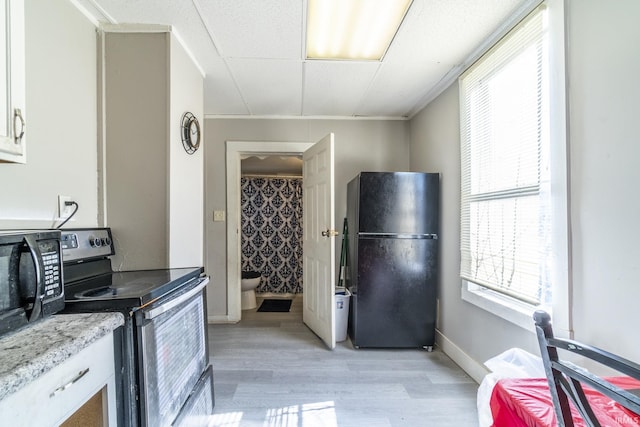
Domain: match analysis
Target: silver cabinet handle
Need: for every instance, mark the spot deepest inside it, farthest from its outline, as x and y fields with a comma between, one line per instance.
x=17, y=114
x=70, y=383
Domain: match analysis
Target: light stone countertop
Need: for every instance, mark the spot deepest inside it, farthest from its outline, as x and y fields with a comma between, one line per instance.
x=32, y=351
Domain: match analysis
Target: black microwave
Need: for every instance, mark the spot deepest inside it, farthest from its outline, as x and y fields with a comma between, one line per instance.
x=31, y=282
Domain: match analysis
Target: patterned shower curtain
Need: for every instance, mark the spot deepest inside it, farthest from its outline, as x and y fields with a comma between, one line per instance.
x=272, y=232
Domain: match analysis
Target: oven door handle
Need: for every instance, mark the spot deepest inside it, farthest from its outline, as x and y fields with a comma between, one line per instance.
x=157, y=311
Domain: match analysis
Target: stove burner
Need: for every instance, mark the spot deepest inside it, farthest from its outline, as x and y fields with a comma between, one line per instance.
x=98, y=292
x=114, y=290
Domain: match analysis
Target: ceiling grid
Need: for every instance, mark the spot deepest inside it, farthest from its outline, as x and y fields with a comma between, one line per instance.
x=253, y=54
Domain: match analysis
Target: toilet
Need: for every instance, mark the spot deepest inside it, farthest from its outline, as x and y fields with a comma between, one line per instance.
x=248, y=284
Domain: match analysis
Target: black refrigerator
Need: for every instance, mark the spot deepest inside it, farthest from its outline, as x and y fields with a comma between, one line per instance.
x=392, y=265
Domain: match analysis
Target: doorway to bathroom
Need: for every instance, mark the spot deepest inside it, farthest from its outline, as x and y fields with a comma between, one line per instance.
x=236, y=152
x=271, y=226
x=319, y=224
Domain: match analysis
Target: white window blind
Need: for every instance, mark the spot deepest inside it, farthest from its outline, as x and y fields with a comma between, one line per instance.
x=505, y=200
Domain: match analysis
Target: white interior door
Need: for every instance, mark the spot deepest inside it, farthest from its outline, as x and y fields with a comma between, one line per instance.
x=318, y=240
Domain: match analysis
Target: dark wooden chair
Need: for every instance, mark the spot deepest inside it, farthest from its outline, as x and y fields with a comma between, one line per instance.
x=566, y=380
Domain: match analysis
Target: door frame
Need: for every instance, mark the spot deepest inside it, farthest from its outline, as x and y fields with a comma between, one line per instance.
x=235, y=150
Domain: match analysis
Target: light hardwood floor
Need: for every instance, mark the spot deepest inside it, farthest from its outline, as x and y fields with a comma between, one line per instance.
x=271, y=370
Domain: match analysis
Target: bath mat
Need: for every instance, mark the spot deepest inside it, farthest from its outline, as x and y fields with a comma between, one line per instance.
x=275, y=305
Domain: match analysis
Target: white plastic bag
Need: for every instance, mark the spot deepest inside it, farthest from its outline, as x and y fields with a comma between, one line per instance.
x=513, y=363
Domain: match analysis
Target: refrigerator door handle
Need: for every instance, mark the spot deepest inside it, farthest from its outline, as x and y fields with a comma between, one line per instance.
x=397, y=236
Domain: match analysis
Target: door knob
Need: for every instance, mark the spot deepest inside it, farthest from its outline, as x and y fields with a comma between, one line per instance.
x=329, y=233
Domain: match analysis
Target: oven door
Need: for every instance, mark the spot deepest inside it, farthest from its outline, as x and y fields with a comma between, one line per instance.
x=199, y=407
x=172, y=352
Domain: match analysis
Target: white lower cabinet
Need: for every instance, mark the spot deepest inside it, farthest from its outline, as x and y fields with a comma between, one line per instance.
x=77, y=391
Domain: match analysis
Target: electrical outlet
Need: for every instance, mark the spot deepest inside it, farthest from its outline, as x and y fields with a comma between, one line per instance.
x=63, y=210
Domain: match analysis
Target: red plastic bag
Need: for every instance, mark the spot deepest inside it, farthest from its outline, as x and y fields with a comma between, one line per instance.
x=526, y=402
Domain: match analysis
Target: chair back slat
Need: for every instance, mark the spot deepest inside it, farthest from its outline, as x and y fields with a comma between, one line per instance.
x=566, y=379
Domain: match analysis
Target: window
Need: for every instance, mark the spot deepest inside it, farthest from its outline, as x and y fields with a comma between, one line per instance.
x=509, y=191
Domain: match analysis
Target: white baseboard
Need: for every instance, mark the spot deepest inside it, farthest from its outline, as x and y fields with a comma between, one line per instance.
x=220, y=319
x=475, y=370
x=276, y=295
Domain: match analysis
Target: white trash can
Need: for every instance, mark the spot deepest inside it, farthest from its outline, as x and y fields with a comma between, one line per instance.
x=342, y=313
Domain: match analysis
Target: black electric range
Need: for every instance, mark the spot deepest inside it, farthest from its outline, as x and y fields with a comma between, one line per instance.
x=127, y=289
x=162, y=351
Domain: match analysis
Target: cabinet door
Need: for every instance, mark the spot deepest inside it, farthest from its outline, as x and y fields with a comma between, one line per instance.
x=54, y=396
x=12, y=82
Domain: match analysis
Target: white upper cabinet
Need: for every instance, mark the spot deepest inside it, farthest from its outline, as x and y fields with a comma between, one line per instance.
x=12, y=82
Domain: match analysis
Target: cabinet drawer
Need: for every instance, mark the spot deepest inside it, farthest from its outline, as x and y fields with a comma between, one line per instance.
x=53, y=397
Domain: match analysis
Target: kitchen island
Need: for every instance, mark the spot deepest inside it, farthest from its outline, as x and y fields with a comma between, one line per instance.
x=61, y=362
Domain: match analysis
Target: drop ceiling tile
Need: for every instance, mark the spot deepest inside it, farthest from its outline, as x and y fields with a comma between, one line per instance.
x=396, y=88
x=256, y=29
x=269, y=87
x=221, y=95
x=448, y=31
x=434, y=38
x=335, y=88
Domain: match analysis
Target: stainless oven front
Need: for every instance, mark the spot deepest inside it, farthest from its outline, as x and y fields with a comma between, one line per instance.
x=172, y=352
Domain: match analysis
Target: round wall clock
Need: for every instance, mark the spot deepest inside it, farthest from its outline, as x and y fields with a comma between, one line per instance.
x=190, y=130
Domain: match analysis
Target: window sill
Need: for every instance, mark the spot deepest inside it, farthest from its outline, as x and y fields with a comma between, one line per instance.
x=510, y=309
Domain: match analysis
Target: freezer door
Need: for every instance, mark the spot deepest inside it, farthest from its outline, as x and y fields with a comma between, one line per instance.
x=398, y=202
x=395, y=301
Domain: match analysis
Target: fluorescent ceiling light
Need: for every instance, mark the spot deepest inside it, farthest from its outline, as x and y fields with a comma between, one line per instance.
x=352, y=29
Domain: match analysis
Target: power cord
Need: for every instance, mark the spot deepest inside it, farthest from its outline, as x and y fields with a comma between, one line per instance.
x=75, y=209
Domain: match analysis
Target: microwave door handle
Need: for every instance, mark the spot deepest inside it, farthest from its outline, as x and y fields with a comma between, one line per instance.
x=37, y=260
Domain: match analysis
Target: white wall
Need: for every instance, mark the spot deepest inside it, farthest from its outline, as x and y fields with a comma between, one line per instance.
x=186, y=188
x=604, y=67
x=61, y=120
x=359, y=145
x=602, y=72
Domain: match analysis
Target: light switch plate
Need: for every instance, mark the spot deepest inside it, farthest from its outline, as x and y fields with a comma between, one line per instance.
x=218, y=215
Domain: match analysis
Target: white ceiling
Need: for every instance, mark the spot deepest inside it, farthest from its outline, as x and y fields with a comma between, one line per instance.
x=252, y=53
